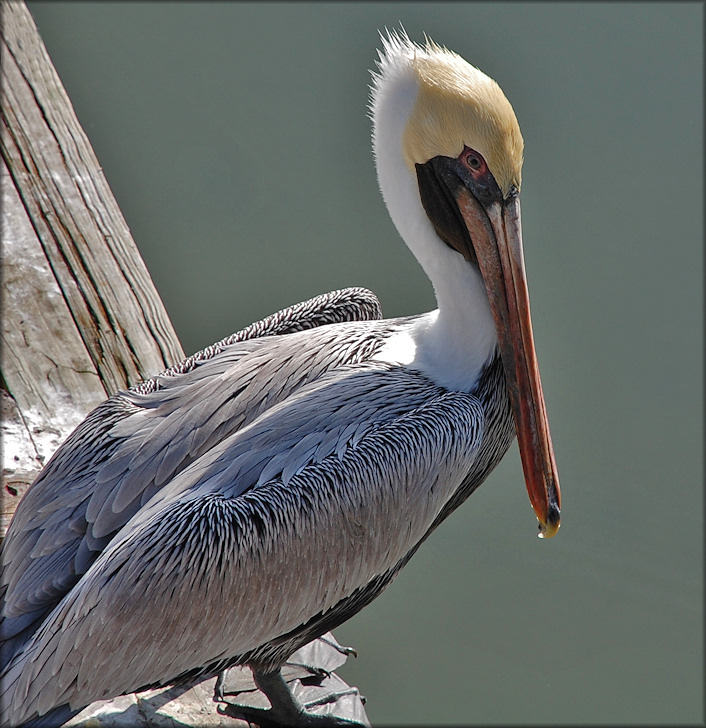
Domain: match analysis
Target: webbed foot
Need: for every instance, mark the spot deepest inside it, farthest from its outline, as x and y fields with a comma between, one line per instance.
x=285, y=709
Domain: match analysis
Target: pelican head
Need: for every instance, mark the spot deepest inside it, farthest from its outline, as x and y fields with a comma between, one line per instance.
x=448, y=151
x=459, y=107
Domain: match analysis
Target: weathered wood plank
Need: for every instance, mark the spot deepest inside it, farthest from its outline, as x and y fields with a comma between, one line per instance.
x=44, y=362
x=122, y=322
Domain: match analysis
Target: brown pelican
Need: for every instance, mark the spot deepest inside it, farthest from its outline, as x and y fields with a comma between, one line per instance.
x=262, y=492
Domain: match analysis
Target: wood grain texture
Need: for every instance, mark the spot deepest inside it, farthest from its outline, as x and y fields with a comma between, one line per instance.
x=86, y=241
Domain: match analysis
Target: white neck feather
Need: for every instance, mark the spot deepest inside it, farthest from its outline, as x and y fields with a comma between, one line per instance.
x=452, y=346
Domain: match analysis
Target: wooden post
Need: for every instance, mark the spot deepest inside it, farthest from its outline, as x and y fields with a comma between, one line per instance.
x=81, y=316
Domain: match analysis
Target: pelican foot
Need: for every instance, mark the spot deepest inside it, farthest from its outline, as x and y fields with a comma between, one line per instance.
x=285, y=710
x=315, y=671
x=333, y=697
x=347, y=651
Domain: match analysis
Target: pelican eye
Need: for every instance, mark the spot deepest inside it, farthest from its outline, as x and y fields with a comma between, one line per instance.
x=474, y=161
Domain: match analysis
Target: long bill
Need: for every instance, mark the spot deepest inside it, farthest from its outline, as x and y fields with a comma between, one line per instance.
x=497, y=240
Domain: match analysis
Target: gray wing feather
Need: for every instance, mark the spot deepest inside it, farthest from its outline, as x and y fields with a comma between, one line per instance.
x=213, y=546
x=347, y=304
x=135, y=442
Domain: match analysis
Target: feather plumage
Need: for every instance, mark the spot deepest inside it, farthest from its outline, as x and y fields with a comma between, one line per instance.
x=116, y=460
